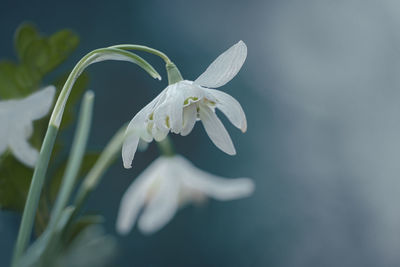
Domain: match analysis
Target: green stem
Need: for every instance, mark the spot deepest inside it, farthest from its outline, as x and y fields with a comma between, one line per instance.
x=173, y=72
x=75, y=158
x=92, y=57
x=145, y=49
x=106, y=158
x=174, y=75
x=39, y=174
x=35, y=190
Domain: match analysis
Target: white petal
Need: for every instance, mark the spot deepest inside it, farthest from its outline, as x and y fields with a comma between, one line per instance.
x=160, y=117
x=134, y=198
x=222, y=188
x=131, y=203
x=191, y=92
x=176, y=109
x=129, y=149
x=231, y=108
x=38, y=104
x=169, y=114
x=225, y=67
x=159, y=134
x=162, y=207
x=18, y=142
x=136, y=129
x=189, y=119
x=217, y=187
x=216, y=130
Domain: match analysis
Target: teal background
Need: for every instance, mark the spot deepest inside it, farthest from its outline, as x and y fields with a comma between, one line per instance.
x=320, y=88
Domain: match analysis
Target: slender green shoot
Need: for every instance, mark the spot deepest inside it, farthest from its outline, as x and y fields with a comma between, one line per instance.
x=75, y=158
x=38, y=178
x=94, y=176
x=35, y=190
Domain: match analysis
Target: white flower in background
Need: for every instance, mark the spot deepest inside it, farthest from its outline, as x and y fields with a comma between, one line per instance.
x=16, y=117
x=168, y=184
x=180, y=105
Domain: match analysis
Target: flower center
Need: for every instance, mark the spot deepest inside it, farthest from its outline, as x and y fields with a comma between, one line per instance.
x=190, y=100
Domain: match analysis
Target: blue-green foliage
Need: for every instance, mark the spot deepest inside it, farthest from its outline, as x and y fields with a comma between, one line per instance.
x=37, y=56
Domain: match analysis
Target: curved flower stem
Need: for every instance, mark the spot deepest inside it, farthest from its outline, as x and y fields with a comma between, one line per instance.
x=173, y=72
x=145, y=49
x=97, y=55
x=35, y=189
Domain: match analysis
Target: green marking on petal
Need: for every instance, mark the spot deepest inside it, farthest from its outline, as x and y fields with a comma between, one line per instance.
x=191, y=99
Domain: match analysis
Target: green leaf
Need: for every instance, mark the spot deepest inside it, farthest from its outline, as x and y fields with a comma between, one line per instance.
x=88, y=161
x=92, y=247
x=43, y=54
x=27, y=78
x=62, y=44
x=38, y=56
x=24, y=36
x=9, y=87
x=15, y=179
x=47, y=248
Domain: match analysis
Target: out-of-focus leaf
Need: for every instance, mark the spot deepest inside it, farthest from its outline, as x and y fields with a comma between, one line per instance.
x=38, y=56
x=49, y=246
x=15, y=179
x=27, y=78
x=62, y=43
x=24, y=35
x=9, y=87
x=92, y=247
x=88, y=161
x=44, y=53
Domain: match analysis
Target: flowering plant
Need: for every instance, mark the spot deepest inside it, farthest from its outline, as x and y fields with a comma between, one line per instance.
x=64, y=234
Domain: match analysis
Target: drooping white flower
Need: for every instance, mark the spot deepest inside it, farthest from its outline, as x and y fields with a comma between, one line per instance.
x=16, y=123
x=180, y=105
x=168, y=184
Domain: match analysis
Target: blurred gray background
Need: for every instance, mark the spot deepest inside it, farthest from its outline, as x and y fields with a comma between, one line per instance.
x=321, y=91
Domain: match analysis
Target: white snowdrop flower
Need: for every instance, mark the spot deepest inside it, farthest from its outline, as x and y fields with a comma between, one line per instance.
x=167, y=184
x=180, y=105
x=16, y=120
